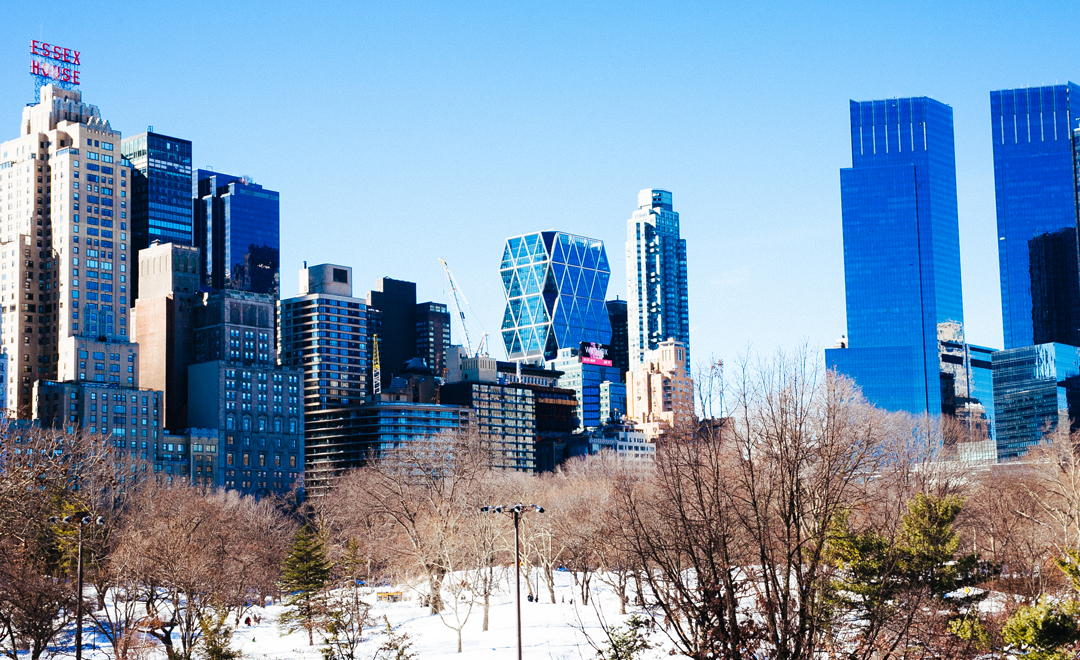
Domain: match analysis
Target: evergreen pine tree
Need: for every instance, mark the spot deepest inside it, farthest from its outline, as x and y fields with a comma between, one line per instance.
x=880, y=577
x=304, y=578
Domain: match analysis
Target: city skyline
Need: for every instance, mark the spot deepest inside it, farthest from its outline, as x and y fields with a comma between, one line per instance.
x=752, y=200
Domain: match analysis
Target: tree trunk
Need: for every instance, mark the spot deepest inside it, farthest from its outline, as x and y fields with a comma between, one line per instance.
x=459, y=640
x=435, y=578
x=487, y=604
x=586, y=576
x=621, y=580
x=549, y=577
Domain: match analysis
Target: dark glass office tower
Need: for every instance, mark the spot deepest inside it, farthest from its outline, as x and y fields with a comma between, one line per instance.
x=433, y=335
x=160, y=192
x=1055, y=287
x=902, y=258
x=392, y=316
x=620, y=346
x=160, y=189
x=237, y=225
x=1035, y=182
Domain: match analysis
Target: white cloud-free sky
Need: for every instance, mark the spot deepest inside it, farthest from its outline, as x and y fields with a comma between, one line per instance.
x=401, y=132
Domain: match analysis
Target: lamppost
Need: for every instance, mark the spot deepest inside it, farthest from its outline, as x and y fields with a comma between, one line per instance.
x=80, y=520
x=515, y=510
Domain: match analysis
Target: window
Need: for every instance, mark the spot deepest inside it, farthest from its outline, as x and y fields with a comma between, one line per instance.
x=229, y=423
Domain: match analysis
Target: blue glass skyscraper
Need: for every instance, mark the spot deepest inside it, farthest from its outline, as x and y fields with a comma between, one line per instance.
x=237, y=226
x=1035, y=184
x=555, y=285
x=658, y=304
x=1036, y=391
x=160, y=202
x=902, y=258
x=160, y=189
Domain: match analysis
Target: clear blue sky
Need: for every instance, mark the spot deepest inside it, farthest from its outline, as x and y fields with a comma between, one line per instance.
x=401, y=132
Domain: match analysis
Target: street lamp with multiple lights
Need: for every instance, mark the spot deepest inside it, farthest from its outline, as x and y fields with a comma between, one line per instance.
x=515, y=510
x=80, y=520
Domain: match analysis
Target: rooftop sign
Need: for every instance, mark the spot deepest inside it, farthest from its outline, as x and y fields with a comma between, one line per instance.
x=593, y=353
x=52, y=64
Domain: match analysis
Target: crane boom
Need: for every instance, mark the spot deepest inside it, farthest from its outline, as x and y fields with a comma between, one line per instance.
x=456, y=297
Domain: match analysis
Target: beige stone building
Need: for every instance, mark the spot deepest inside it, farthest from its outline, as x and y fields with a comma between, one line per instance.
x=63, y=249
x=661, y=392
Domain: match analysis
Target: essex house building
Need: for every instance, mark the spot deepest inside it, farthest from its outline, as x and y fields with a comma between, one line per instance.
x=64, y=256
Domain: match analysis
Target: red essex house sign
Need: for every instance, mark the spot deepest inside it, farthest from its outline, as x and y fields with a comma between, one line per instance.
x=48, y=61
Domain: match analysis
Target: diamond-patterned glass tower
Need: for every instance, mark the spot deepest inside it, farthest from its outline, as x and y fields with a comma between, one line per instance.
x=555, y=287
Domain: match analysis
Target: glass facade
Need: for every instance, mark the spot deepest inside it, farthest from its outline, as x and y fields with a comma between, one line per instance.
x=555, y=285
x=612, y=401
x=982, y=382
x=902, y=258
x=237, y=226
x=658, y=307
x=620, y=347
x=1036, y=389
x=586, y=380
x=160, y=189
x=1035, y=185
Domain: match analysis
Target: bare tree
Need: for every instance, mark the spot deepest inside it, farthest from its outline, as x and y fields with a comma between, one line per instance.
x=423, y=489
x=198, y=552
x=731, y=533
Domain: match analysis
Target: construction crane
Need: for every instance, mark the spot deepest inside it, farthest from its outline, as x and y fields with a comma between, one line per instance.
x=457, y=297
x=376, y=370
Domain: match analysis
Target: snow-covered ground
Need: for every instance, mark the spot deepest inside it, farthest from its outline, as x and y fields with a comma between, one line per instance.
x=548, y=630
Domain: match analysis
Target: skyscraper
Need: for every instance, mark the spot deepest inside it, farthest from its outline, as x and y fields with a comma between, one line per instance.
x=406, y=329
x=433, y=335
x=1035, y=182
x=236, y=386
x=620, y=346
x=237, y=226
x=660, y=390
x=168, y=296
x=555, y=284
x=160, y=189
x=64, y=236
x=1036, y=390
x=655, y=276
x=324, y=330
x=902, y=258
x=391, y=309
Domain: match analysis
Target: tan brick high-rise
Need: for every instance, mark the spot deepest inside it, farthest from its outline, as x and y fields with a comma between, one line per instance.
x=63, y=250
